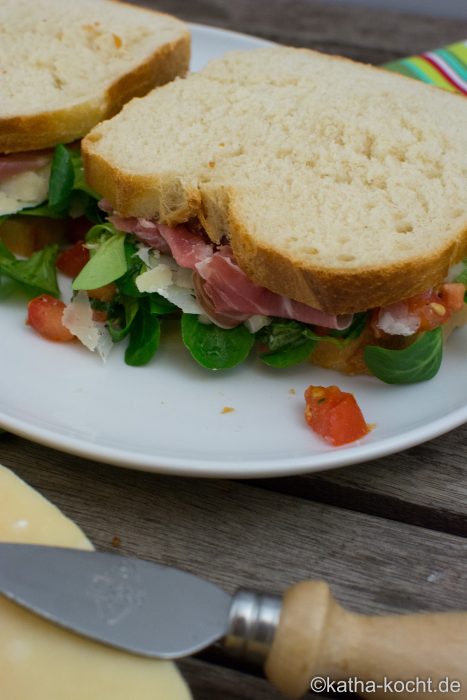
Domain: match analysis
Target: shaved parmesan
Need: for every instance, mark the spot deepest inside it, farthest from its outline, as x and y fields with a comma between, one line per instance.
x=184, y=278
x=149, y=256
x=181, y=297
x=77, y=317
x=167, y=278
x=396, y=320
x=24, y=190
x=154, y=279
x=255, y=323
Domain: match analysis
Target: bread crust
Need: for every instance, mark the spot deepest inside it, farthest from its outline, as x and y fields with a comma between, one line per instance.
x=342, y=291
x=336, y=291
x=47, y=129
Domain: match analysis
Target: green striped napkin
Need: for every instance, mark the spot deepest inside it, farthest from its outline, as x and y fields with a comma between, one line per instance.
x=446, y=67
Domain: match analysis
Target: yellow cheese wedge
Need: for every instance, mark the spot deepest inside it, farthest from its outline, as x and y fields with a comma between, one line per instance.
x=39, y=661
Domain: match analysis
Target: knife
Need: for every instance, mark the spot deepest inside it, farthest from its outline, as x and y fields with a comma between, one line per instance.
x=158, y=611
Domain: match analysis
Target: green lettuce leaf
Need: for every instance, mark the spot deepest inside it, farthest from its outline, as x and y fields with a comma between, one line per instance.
x=108, y=262
x=287, y=342
x=145, y=333
x=213, y=347
x=418, y=362
x=37, y=272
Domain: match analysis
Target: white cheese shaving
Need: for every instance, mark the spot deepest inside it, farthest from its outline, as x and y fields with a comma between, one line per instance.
x=154, y=279
x=77, y=317
x=181, y=297
x=184, y=278
x=24, y=190
x=167, y=278
x=394, y=324
x=255, y=323
x=149, y=256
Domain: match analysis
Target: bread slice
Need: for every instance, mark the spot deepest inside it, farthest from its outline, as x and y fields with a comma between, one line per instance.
x=338, y=184
x=68, y=64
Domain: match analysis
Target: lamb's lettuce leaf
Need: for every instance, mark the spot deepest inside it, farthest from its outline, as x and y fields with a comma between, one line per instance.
x=287, y=343
x=37, y=273
x=108, y=261
x=214, y=347
x=418, y=362
x=145, y=334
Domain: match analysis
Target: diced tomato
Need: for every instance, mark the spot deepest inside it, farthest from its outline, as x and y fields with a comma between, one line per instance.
x=105, y=293
x=334, y=414
x=78, y=228
x=452, y=295
x=45, y=316
x=436, y=308
x=72, y=260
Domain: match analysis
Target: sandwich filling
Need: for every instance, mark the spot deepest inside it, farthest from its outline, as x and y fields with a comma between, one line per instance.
x=40, y=193
x=227, y=297
x=222, y=290
x=131, y=276
x=24, y=180
x=155, y=270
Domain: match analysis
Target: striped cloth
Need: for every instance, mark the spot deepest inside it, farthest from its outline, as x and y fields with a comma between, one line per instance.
x=446, y=68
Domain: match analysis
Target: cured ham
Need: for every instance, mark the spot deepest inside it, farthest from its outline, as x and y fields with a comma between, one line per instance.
x=231, y=293
x=222, y=288
x=17, y=163
x=188, y=248
x=145, y=230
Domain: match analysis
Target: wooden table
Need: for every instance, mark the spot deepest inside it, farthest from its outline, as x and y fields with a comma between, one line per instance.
x=389, y=535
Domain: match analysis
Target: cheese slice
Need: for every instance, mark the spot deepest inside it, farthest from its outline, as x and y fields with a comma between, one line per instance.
x=26, y=189
x=39, y=661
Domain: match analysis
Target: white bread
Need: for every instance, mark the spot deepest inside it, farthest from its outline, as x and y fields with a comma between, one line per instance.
x=338, y=184
x=68, y=64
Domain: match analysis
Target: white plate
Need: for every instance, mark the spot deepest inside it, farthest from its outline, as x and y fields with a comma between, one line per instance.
x=168, y=416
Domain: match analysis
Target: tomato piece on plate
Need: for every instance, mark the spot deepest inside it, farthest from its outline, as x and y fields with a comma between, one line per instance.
x=45, y=316
x=72, y=260
x=334, y=414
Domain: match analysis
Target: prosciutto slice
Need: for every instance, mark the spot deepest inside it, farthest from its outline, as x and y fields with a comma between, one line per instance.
x=222, y=288
x=17, y=163
x=144, y=229
x=232, y=293
x=188, y=248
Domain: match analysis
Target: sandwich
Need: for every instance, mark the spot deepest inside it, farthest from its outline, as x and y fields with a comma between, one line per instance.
x=283, y=202
x=65, y=67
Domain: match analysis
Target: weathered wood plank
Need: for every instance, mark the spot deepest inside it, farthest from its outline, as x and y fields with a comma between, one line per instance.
x=209, y=682
x=425, y=486
x=365, y=34
x=240, y=535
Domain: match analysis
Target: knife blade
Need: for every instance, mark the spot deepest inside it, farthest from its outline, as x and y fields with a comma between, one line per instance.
x=111, y=599
x=162, y=612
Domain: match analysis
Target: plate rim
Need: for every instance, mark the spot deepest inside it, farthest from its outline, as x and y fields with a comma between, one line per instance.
x=210, y=467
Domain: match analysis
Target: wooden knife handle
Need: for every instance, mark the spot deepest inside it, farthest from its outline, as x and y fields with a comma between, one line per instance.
x=317, y=638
